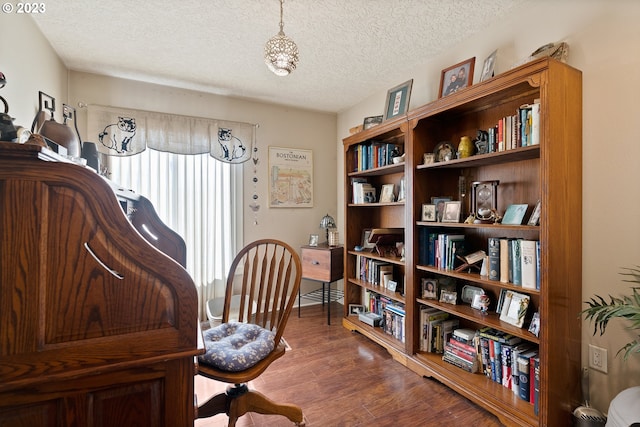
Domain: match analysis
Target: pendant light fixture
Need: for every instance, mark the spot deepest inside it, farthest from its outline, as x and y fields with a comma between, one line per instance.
x=280, y=52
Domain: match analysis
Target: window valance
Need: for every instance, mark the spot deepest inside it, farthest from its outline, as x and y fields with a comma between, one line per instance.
x=125, y=132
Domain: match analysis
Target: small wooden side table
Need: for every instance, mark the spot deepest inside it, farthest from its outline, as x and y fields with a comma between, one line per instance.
x=322, y=263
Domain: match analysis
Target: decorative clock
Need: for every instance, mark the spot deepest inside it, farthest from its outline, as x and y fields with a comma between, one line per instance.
x=484, y=200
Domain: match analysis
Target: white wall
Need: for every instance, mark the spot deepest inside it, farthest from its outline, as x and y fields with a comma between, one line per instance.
x=603, y=37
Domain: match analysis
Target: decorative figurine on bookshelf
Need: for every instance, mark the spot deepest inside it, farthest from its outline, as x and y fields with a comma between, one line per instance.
x=482, y=142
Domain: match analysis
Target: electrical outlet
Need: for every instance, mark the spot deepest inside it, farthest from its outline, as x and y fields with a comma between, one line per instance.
x=598, y=358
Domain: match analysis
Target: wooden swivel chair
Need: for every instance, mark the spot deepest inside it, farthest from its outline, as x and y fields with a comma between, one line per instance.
x=267, y=280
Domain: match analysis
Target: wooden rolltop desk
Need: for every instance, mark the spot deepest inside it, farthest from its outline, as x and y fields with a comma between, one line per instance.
x=98, y=325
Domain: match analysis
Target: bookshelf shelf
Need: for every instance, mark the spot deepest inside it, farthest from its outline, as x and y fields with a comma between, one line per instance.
x=550, y=171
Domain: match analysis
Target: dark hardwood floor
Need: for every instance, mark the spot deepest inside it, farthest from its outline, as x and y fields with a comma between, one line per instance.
x=340, y=378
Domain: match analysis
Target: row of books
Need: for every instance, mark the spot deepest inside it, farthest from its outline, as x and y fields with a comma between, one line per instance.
x=461, y=350
x=374, y=155
x=393, y=321
x=392, y=313
x=374, y=271
x=363, y=191
x=520, y=129
x=437, y=328
x=508, y=361
x=440, y=250
x=515, y=261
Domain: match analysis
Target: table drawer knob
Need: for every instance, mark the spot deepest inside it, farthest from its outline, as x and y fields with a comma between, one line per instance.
x=315, y=262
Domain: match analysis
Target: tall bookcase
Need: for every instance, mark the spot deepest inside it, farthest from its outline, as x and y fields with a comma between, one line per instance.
x=550, y=172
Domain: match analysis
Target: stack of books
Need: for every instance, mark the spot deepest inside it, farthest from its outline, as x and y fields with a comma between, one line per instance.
x=460, y=350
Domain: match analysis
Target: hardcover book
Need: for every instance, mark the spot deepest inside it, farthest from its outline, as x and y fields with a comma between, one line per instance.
x=494, y=258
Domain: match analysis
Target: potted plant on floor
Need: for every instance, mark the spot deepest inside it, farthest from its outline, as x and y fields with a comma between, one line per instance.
x=627, y=307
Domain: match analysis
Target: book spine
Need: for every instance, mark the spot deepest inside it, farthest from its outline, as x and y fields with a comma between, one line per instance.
x=537, y=264
x=494, y=258
x=523, y=377
x=504, y=260
x=536, y=385
x=506, y=366
x=497, y=349
x=460, y=363
x=448, y=348
x=463, y=346
x=535, y=123
x=528, y=263
x=516, y=262
x=484, y=355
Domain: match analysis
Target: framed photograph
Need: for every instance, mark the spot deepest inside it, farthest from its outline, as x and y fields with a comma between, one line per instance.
x=313, y=240
x=514, y=214
x=356, y=309
x=371, y=121
x=448, y=297
x=392, y=285
x=534, y=326
x=487, y=67
x=514, y=308
x=429, y=288
x=428, y=212
x=386, y=194
x=398, y=100
x=451, y=212
x=534, y=219
x=290, y=178
x=366, y=234
x=439, y=203
x=456, y=77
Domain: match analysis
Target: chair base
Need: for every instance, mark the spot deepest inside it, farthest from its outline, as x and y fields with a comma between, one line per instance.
x=238, y=400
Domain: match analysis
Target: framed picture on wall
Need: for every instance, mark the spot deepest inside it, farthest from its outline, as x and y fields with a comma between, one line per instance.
x=290, y=178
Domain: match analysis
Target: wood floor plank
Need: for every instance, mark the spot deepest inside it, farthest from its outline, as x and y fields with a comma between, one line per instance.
x=342, y=379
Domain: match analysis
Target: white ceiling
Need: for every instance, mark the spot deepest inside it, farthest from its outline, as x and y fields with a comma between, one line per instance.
x=349, y=49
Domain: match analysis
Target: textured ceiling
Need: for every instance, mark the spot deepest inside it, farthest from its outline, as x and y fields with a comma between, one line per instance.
x=348, y=48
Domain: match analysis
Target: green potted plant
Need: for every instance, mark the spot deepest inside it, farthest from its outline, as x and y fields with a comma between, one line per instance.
x=601, y=311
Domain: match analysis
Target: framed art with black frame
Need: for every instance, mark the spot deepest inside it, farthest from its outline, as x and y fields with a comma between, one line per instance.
x=398, y=100
x=456, y=77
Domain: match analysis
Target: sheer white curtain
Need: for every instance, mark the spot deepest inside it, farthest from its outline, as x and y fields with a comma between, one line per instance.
x=198, y=197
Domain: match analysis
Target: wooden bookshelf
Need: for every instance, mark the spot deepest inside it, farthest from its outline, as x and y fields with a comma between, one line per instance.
x=550, y=172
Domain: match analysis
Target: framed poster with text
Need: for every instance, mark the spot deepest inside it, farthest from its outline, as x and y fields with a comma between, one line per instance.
x=290, y=178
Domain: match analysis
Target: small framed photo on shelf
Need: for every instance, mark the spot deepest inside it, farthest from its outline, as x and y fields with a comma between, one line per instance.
x=392, y=285
x=429, y=288
x=355, y=309
x=439, y=204
x=488, y=66
x=371, y=121
x=398, y=100
x=534, y=219
x=451, y=212
x=534, y=326
x=386, y=194
x=514, y=214
x=514, y=308
x=448, y=297
x=366, y=234
x=456, y=77
x=428, y=212
x=313, y=240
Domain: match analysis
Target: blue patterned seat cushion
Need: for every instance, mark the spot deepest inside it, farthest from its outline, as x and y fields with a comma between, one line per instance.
x=236, y=346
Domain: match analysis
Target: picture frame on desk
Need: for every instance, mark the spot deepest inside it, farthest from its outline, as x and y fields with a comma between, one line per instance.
x=456, y=77
x=313, y=240
x=397, y=101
